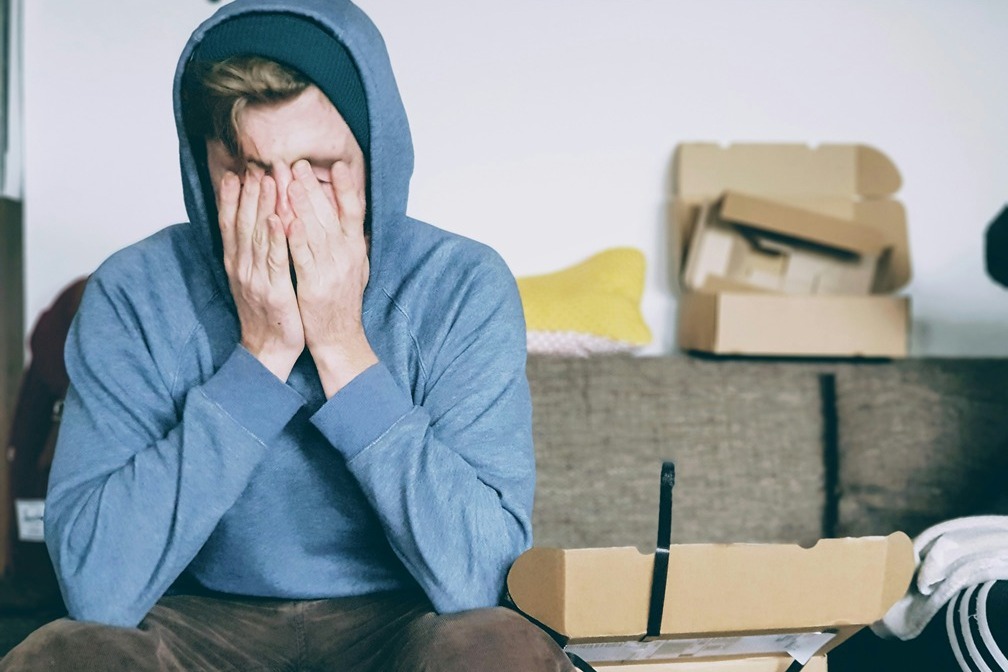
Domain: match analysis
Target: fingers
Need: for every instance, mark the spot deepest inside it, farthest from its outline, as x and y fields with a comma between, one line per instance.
x=255, y=244
x=245, y=220
x=309, y=200
x=227, y=209
x=277, y=259
x=300, y=248
x=271, y=225
x=261, y=234
x=267, y=199
x=349, y=199
x=313, y=227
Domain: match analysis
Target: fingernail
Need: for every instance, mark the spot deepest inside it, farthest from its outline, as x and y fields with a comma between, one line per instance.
x=302, y=168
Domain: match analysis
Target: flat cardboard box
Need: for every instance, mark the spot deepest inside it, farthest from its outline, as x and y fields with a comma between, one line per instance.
x=727, y=601
x=756, y=664
x=850, y=184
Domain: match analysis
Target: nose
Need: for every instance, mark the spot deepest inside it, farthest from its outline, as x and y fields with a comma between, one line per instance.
x=283, y=177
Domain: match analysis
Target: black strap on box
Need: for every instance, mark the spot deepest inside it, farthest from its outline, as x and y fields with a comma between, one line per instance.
x=658, y=581
x=796, y=666
x=661, y=558
x=579, y=662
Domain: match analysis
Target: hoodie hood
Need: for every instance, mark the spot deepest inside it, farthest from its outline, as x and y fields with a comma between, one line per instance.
x=390, y=154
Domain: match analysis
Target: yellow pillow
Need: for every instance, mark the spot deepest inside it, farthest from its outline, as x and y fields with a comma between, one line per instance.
x=590, y=308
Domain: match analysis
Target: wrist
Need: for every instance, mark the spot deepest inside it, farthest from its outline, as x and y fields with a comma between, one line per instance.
x=338, y=365
x=278, y=361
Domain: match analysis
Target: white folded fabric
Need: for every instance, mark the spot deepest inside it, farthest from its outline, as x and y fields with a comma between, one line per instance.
x=951, y=556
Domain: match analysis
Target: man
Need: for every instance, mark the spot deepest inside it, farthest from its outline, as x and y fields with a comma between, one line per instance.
x=298, y=429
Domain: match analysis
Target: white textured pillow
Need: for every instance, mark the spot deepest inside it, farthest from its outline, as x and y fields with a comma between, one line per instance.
x=574, y=344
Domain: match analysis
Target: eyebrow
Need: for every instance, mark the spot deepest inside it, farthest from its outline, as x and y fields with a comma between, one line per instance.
x=313, y=160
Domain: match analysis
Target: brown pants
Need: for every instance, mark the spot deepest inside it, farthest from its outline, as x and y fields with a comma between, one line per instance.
x=392, y=632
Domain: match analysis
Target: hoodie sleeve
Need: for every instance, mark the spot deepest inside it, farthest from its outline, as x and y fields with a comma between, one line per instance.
x=452, y=476
x=140, y=480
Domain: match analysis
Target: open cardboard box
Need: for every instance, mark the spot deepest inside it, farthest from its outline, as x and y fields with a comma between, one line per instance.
x=790, y=250
x=758, y=605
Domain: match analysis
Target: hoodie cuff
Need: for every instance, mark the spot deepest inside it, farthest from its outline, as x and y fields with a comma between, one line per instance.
x=357, y=415
x=255, y=398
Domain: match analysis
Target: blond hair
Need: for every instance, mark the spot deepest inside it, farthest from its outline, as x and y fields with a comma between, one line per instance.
x=216, y=93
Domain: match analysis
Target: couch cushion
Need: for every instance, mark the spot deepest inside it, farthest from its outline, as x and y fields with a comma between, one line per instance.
x=746, y=438
x=919, y=441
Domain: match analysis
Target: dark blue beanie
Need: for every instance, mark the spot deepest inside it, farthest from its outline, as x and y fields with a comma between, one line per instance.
x=303, y=45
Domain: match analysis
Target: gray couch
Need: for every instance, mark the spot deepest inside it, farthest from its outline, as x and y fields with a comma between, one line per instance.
x=765, y=451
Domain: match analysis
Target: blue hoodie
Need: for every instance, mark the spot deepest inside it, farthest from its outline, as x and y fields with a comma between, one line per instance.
x=180, y=453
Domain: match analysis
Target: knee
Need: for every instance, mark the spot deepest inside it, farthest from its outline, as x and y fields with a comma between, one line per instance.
x=72, y=645
x=491, y=639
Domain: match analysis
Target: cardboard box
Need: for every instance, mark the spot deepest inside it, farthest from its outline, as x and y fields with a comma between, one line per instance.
x=722, y=601
x=811, y=326
x=787, y=222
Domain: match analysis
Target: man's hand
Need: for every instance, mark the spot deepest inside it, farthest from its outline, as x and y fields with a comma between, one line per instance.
x=329, y=252
x=255, y=258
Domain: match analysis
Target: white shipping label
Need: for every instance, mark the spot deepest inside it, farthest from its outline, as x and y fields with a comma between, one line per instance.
x=800, y=646
x=29, y=519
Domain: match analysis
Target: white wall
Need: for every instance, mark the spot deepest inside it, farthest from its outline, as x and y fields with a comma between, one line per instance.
x=546, y=127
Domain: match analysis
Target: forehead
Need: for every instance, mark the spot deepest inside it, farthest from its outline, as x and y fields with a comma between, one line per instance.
x=308, y=125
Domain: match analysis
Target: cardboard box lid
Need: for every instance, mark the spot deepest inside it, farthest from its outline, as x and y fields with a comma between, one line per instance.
x=596, y=594
x=704, y=170
x=847, y=181
x=788, y=220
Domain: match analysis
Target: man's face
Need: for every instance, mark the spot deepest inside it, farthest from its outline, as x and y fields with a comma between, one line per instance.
x=271, y=138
